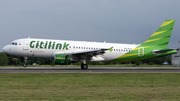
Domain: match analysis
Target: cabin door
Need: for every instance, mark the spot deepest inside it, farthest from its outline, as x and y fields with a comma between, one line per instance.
x=25, y=45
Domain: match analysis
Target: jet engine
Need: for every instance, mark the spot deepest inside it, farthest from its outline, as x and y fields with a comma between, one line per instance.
x=62, y=59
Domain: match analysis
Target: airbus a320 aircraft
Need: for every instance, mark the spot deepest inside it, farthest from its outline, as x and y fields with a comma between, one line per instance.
x=65, y=52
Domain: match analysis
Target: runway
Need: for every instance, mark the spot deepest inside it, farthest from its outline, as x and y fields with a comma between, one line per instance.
x=90, y=70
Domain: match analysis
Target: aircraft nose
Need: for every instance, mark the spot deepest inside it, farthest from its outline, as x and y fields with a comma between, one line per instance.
x=4, y=49
x=9, y=50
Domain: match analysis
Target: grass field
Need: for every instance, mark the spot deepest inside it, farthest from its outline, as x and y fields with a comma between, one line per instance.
x=90, y=87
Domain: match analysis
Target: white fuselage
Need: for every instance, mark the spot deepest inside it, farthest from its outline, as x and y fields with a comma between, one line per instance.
x=46, y=48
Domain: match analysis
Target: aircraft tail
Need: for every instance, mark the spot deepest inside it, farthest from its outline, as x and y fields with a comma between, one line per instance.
x=155, y=46
x=161, y=36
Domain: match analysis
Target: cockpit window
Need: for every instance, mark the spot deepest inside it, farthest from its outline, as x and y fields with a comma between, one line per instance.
x=14, y=43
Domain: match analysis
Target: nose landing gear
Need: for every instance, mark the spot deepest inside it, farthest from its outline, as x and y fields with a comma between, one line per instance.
x=25, y=61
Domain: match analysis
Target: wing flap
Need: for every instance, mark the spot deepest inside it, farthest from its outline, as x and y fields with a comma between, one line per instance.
x=89, y=55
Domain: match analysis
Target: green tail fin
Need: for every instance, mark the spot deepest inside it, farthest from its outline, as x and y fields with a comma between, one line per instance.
x=161, y=36
x=155, y=46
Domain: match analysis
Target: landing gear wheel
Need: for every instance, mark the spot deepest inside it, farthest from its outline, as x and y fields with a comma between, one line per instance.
x=84, y=66
x=24, y=65
x=25, y=61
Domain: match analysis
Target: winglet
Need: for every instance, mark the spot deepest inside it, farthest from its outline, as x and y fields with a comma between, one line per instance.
x=110, y=49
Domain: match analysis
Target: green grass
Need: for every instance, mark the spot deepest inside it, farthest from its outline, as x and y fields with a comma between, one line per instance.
x=90, y=87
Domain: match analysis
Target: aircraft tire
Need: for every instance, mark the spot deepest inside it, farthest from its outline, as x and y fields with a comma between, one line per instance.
x=84, y=66
x=24, y=65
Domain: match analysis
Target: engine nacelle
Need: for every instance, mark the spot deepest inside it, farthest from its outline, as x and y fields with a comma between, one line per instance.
x=62, y=59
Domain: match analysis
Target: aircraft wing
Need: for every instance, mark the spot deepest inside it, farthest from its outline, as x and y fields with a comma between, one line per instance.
x=87, y=55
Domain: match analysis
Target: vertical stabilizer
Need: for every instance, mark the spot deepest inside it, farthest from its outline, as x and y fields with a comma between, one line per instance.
x=155, y=46
x=162, y=35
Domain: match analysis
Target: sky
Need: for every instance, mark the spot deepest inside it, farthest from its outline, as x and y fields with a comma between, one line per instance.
x=114, y=21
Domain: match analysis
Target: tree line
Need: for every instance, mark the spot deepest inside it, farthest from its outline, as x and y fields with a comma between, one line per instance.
x=13, y=60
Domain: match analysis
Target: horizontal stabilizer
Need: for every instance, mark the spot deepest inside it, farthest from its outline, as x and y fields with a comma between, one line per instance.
x=157, y=52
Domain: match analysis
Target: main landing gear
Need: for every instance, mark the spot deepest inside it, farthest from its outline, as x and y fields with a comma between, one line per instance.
x=84, y=65
x=25, y=61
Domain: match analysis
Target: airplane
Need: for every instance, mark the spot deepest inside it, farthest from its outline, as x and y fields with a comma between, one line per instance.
x=65, y=52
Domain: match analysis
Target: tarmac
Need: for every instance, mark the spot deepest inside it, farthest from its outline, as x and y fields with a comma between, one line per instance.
x=90, y=70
